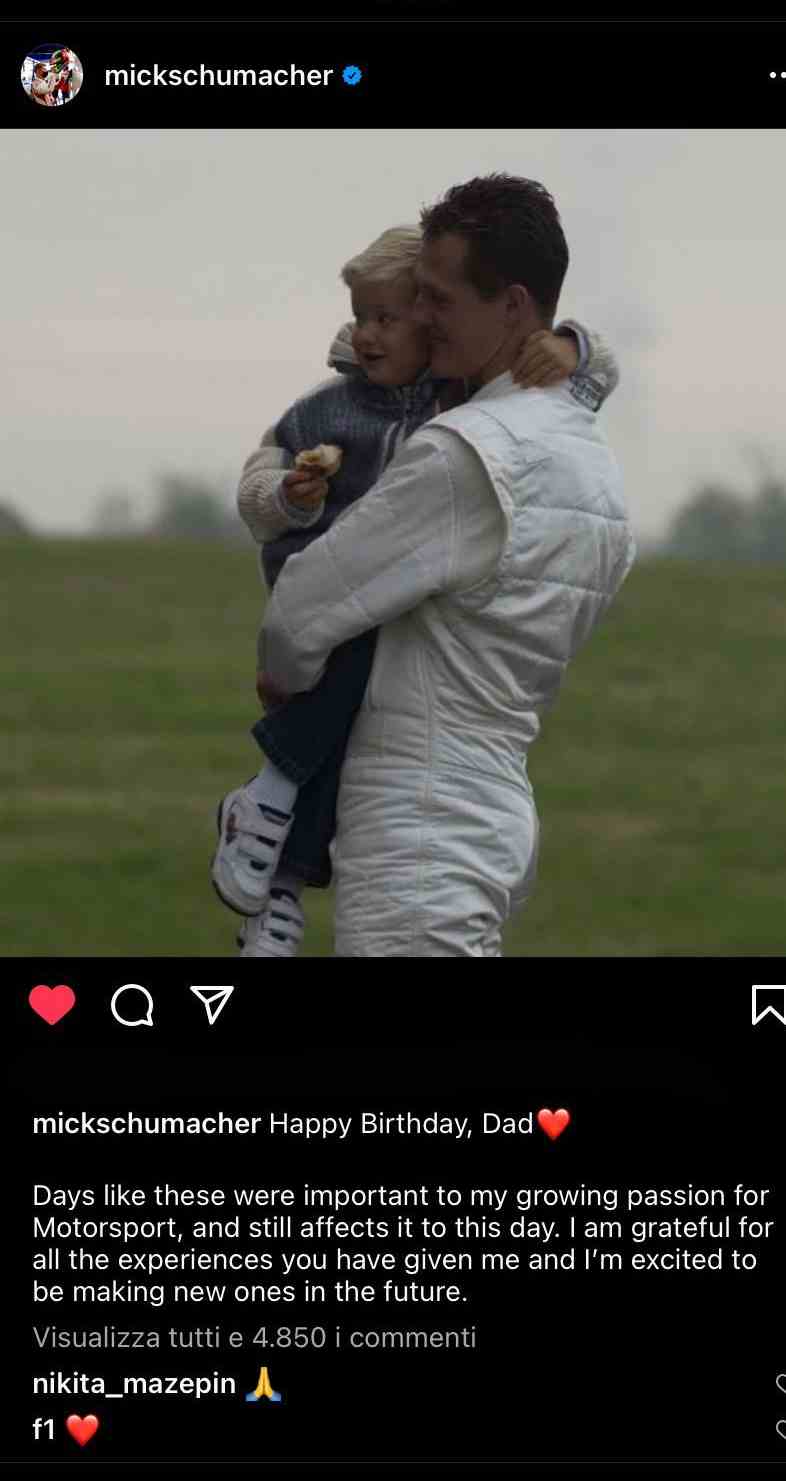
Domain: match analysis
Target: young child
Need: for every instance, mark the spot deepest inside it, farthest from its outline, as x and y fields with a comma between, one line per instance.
x=275, y=832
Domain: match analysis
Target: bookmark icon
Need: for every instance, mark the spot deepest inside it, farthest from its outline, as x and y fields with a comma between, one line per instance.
x=213, y=999
x=263, y=1390
x=764, y=1000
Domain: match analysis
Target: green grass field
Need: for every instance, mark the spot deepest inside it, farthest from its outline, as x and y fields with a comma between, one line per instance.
x=127, y=693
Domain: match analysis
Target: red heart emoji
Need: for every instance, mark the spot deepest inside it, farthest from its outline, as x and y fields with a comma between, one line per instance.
x=553, y=1122
x=52, y=1003
x=82, y=1430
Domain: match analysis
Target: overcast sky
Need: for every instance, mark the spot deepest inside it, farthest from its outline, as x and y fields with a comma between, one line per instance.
x=169, y=293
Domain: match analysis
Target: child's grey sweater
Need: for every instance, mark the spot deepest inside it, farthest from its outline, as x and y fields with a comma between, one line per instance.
x=368, y=423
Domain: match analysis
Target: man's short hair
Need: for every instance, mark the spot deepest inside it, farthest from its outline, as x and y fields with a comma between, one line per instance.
x=513, y=235
x=394, y=252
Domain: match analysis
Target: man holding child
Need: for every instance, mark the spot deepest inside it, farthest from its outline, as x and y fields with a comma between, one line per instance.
x=484, y=555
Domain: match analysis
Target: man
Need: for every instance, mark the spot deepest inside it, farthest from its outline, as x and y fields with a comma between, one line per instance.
x=61, y=61
x=487, y=552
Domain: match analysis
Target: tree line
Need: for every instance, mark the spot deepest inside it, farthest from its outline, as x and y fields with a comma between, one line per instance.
x=186, y=508
x=715, y=523
x=718, y=524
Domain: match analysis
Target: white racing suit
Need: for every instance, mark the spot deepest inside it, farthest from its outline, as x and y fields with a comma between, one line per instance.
x=437, y=832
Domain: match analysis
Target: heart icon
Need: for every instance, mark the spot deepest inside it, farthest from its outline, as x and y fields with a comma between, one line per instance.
x=781, y=1428
x=553, y=1122
x=781, y=1382
x=82, y=1430
x=52, y=1003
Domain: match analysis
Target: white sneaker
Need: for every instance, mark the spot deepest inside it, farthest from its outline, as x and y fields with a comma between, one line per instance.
x=250, y=839
x=277, y=931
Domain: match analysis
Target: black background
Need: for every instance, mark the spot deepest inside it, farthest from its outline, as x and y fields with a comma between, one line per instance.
x=667, y=1081
x=569, y=74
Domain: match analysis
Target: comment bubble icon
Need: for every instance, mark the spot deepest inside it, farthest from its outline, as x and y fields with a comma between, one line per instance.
x=132, y=1006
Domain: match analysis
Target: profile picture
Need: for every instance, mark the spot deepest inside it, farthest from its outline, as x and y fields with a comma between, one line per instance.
x=52, y=75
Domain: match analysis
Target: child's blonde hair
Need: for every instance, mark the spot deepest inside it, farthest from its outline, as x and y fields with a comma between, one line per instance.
x=391, y=254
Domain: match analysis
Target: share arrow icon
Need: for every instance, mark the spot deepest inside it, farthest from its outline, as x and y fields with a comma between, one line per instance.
x=214, y=999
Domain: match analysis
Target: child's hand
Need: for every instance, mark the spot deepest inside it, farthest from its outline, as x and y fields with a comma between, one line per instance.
x=545, y=359
x=303, y=489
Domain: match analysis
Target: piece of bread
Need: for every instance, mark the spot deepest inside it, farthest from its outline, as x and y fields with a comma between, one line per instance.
x=326, y=458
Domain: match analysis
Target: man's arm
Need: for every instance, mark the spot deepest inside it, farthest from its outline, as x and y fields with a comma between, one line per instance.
x=390, y=551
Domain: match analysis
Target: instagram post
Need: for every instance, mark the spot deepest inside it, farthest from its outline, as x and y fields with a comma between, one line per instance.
x=199, y=615
x=245, y=1232
x=392, y=538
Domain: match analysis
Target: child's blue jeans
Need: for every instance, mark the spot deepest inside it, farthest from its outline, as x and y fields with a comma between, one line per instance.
x=306, y=738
